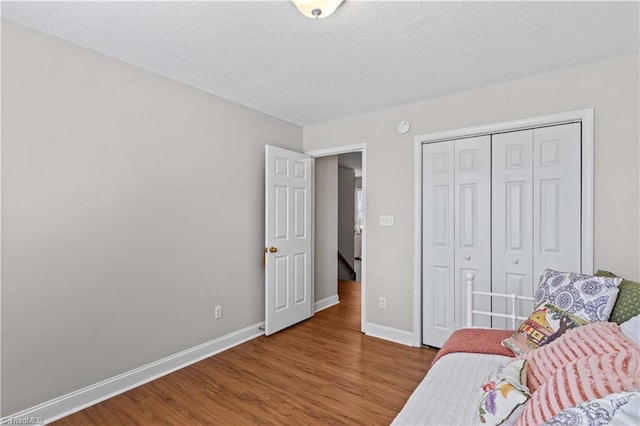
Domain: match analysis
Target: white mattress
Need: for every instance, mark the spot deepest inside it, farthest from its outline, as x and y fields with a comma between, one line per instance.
x=450, y=392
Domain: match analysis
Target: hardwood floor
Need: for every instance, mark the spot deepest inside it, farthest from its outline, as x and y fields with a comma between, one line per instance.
x=321, y=371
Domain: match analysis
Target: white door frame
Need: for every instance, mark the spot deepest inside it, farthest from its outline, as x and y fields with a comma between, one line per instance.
x=345, y=149
x=585, y=116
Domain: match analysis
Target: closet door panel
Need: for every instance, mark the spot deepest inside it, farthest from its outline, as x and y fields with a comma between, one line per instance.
x=557, y=198
x=472, y=224
x=512, y=221
x=438, y=293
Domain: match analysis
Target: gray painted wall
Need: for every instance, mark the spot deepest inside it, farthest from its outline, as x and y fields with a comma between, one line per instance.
x=326, y=227
x=610, y=87
x=131, y=205
x=346, y=194
x=120, y=218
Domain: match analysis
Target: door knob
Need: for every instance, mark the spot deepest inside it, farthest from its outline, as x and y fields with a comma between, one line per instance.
x=467, y=257
x=515, y=261
x=272, y=249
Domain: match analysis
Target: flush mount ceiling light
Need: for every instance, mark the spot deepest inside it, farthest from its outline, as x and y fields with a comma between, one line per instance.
x=316, y=9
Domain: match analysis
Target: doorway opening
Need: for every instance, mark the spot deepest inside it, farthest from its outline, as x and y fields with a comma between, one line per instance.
x=350, y=214
x=341, y=173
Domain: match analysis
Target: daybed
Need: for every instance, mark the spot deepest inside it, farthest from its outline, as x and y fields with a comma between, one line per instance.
x=572, y=367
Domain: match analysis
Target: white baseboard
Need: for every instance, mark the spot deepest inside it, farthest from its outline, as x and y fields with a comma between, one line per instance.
x=57, y=408
x=389, y=333
x=326, y=303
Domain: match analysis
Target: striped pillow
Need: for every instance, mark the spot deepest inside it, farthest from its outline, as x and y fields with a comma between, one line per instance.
x=583, y=380
x=591, y=339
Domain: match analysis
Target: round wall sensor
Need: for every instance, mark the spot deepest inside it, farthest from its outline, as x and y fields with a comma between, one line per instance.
x=404, y=127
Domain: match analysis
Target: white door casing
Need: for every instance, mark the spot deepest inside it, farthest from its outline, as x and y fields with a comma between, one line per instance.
x=288, y=238
x=366, y=327
x=472, y=208
x=438, y=243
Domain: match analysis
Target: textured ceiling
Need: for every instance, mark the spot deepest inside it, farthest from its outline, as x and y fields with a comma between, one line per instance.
x=367, y=56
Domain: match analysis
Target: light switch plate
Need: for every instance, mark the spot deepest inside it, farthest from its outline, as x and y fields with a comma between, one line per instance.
x=386, y=220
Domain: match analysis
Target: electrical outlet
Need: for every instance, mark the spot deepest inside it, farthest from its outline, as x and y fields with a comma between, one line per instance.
x=383, y=302
x=217, y=312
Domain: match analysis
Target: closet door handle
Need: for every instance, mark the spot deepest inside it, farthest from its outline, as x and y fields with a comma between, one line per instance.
x=467, y=257
x=515, y=261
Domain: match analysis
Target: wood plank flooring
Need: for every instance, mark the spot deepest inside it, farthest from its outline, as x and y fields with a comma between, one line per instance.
x=321, y=371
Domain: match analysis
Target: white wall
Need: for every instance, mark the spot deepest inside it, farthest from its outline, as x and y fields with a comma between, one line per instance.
x=131, y=205
x=610, y=87
x=346, y=197
x=326, y=227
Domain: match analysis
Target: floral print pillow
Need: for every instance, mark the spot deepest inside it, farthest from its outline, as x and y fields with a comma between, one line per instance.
x=585, y=296
x=617, y=408
x=504, y=395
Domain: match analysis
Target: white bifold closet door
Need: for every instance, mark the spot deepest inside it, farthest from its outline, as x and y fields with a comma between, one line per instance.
x=438, y=295
x=456, y=232
x=472, y=213
x=504, y=207
x=512, y=219
x=536, y=216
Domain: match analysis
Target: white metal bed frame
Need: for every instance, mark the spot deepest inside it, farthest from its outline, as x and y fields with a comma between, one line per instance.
x=514, y=298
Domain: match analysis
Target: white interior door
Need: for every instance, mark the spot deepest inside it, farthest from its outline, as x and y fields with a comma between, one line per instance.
x=438, y=293
x=472, y=225
x=288, y=238
x=512, y=222
x=557, y=242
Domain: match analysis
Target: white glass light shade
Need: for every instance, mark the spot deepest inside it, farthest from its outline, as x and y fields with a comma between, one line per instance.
x=316, y=9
